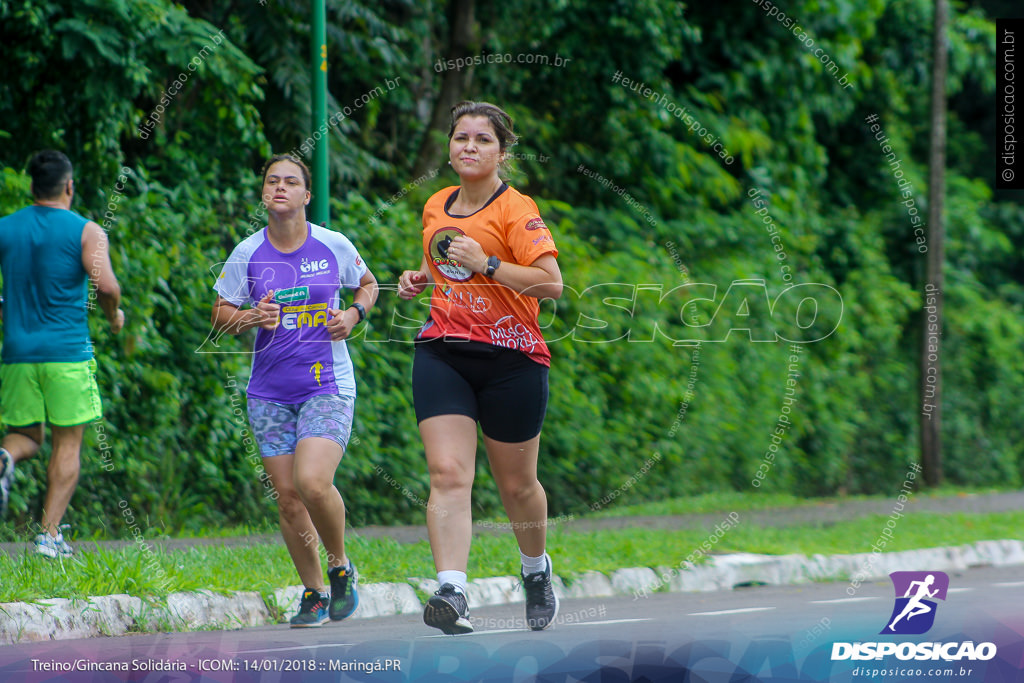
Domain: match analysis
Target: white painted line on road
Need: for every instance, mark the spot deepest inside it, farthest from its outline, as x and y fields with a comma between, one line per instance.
x=300, y=647
x=958, y=590
x=1009, y=584
x=602, y=623
x=524, y=630
x=841, y=600
x=730, y=611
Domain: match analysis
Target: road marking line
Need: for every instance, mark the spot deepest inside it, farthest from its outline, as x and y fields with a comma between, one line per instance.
x=1009, y=584
x=300, y=647
x=958, y=590
x=601, y=623
x=730, y=611
x=840, y=600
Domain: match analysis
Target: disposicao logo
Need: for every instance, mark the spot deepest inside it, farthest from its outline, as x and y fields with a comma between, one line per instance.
x=913, y=614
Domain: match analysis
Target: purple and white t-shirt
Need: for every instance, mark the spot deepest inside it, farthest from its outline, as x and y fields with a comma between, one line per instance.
x=297, y=360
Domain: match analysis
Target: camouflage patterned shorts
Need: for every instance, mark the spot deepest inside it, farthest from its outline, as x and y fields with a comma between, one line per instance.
x=278, y=427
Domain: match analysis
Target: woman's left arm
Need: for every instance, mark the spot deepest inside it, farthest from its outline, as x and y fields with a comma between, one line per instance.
x=342, y=322
x=541, y=279
x=367, y=292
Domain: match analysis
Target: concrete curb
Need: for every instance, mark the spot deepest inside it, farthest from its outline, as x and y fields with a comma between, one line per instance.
x=113, y=615
x=723, y=572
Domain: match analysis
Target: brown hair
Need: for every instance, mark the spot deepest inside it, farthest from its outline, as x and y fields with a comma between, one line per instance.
x=295, y=160
x=500, y=121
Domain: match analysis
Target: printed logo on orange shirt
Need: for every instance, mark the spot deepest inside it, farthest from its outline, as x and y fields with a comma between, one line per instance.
x=449, y=267
x=536, y=224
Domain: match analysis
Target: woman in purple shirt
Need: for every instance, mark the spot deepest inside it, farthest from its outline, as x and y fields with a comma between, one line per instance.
x=302, y=390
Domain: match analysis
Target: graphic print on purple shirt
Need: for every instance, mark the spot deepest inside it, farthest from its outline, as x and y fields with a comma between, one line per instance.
x=297, y=360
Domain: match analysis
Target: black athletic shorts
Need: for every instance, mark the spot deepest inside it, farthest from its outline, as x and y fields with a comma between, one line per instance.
x=505, y=391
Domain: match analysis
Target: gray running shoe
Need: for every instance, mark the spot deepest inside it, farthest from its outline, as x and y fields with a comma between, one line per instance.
x=541, y=601
x=448, y=610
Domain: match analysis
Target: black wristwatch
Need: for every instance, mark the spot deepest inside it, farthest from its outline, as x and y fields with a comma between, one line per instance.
x=492, y=265
x=360, y=310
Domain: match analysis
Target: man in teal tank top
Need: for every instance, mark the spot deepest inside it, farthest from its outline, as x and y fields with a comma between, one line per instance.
x=48, y=254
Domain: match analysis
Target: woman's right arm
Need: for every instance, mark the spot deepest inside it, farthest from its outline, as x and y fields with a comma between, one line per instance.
x=229, y=318
x=411, y=283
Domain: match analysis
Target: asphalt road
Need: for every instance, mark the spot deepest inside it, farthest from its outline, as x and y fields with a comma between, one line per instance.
x=783, y=633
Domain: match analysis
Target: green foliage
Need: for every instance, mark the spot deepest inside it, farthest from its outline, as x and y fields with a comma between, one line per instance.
x=654, y=226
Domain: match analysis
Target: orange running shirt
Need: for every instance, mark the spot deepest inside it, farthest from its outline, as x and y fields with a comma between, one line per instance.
x=468, y=305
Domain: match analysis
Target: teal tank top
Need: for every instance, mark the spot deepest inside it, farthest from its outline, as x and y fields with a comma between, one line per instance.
x=44, y=311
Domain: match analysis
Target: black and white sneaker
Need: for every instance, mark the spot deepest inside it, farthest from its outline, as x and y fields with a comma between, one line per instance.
x=6, y=476
x=448, y=610
x=541, y=601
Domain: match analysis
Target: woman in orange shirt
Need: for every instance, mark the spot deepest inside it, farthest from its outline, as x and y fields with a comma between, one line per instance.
x=481, y=358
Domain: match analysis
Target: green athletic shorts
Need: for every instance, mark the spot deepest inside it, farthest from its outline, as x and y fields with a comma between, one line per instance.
x=63, y=394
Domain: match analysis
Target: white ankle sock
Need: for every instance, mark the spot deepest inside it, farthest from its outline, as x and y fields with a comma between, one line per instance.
x=532, y=565
x=454, y=577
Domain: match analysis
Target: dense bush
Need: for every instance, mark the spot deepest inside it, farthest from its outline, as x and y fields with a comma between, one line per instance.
x=657, y=235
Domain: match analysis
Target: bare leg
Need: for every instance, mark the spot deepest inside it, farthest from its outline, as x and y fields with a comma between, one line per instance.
x=316, y=461
x=24, y=442
x=514, y=466
x=450, y=444
x=62, y=474
x=296, y=527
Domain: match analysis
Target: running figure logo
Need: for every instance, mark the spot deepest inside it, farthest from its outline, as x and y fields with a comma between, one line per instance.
x=315, y=368
x=913, y=612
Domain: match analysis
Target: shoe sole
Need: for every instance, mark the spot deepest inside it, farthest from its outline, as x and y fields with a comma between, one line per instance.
x=313, y=625
x=550, y=621
x=439, y=614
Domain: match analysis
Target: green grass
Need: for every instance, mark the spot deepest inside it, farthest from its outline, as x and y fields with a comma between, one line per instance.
x=732, y=500
x=607, y=551
x=266, y=567
x=702, y=504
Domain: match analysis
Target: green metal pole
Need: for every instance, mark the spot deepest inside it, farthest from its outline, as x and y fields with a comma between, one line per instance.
x=321, y=211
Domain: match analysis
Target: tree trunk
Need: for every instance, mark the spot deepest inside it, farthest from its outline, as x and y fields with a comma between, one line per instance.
x=463, y=42
x=931, y=337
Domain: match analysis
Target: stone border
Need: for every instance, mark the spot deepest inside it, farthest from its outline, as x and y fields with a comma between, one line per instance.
x=115, y=615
